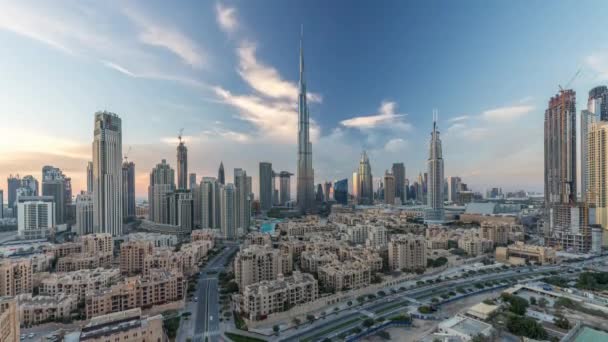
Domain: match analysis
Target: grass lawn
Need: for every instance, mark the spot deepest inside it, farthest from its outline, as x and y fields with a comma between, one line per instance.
x=241, y=338
x=390, y=307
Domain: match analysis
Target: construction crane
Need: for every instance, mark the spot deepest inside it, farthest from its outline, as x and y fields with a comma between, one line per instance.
x=126, y=157
x=181, y=131
x=578, y=72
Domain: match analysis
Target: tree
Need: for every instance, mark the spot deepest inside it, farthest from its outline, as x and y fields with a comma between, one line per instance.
x=562, y=322
x=295, y=321
x=517, y=304
x=276, y=329
x=368, y=322
x=424, y=309
x=384, y=335
x=532, y=300
x=349, y=303
x=542, y=302
x=310, y=318
x=526, y=326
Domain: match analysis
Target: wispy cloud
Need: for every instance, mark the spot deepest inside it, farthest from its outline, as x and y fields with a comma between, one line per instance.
x=386, y=117
x=226, y=135
x=459, y=118
x=505, y=114
x=226, y=18
x=396, y=145
x=166, y=36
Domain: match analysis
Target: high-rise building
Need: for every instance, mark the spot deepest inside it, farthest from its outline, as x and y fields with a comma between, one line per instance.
x=90, y=177
x=587, y=120
x=9, y=319
x=356, y=186
x=1, y=203
x=13, y=183
x=181, y=209
x=228, y=211
x=365, y=187
x=107, y=174
x=36, y=219
x=210, y=202
x=435, y=178
x=182, y=165
x=399, y=174
x=305, y=172
x=285, y=187
x=598, y=102
x=243, y=197
x=162, y=183
x=327, y=191
x=54, y=184
x=220, y=174
x=266, y=187
x=31, y=183
x=84, y=213
x=453, y=188
x=319, y=194
x=597, y=193
x=389, y=188
x=341, y=191
x=128, y=189
x=192, y=181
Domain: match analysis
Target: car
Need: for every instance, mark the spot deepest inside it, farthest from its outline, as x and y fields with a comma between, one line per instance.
x=31, y=335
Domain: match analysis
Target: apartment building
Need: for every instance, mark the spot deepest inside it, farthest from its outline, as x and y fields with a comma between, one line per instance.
x=520, y=253
x=341, y=276
x=128, y=325
x=100, y=243
x=132, y=256
x=39, y=309
x=78, y=282
x=496, y=231
x=83, y=261
x=312, y=260
x=407, y=252
x=257, y=263
x=204, y=234
x=15, y=276
x=474, y=245
x=9, y=320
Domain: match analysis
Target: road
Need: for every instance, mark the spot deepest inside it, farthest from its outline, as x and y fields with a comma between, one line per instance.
x=206, y=319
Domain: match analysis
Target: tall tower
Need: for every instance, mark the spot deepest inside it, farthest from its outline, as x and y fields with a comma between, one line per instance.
x=389, y=188
x=220, y=174
x=366, y=185
x=107, y=174
x=128, y=189
x=285, y=187
x=182, y=164
x=228, y=210
x=399, y=174
x=597, y=110
x=266, y=188
x=90, y=177
x=435, y=176
x=53, y=184
x=162, y=183
x=242, y=184
x=305, y=177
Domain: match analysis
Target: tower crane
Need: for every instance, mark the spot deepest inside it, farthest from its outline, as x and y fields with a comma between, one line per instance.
x=179, y=136
x=578, y=72
x=126, y=157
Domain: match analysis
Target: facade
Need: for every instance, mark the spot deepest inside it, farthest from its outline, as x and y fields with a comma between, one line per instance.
x=520, y=253
x=210, y=203
x=453, y=189
x=15, y=277
x=133, y=255
x=36, y=219
x=181, y=210
x=365, y=187
x=256, y=263
x=398, y=171
x=588, y=119
x=192, y=184
x=497, y=232
x=341, y=191
x=272, y=296
x=90, y=177
x=84, y=213
x=407, y=252
x=128, y=190
x=266, y=185
x=107, y=174
x=220, y=174
x=435, y=178
x=127, y=325
x=390, y=192
x=344, y=276
x=9, y=320
x=597, y=166
x=356, y=185
x=284, y=187
x=162, y=183
x=158, y=240
x=228, y=211
x=78, y=282
x=475, y=246
x=243, y=198
x=13, y=183
x=182, y=165
x=54, y=185
x=35, y=310
x=305, y=173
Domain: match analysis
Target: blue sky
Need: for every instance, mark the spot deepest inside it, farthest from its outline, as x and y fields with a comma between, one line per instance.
x=227, y=73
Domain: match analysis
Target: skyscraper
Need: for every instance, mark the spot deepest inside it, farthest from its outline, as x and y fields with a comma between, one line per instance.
x=399, y=174
x=1, y=203
x=319, y=194
x=162, y=183
x=13, y=183
x=53, y=184
x=453, y=188
x=242, y=185
x=90, y=177
x=327, y=191
x=192, y=181
x=305, y=177
x=365, y=187
x=266, y=188
x=84, y=213
x=285, y=187
x=356, y=186
x=181, y=210
x=128, y=189
x=341, y=191
x=435, y=177
x=107, y=174
x=220, y=174
x=598, y=102
x=597, y=110
x=31, y=183
x=228, y=214
x=210, y=202
x=389, y=188
x=182, y=165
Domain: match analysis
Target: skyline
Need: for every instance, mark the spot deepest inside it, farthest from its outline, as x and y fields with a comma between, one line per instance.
x=160, y=75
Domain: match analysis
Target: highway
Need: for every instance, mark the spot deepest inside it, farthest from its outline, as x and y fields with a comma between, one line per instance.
x=206, y=319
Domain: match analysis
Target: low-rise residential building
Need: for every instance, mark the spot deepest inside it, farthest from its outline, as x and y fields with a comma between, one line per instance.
x=132, y=256
x=257, y=263
x=311, y=260
x=78, y=282
x=82, y=261
x=475, y=246
x=15, y=276
x=271, y=296
x=520, y=253
x=342, y=276
x=94, y=244
x=437, y=243
x=498, y=232
x=407, y=252
x=158, y=288
x=465, y=328
x=41, y=309
x=159, y=240
x=204, y=234
x=128, y=325
x=257, y=238
x=9, y=320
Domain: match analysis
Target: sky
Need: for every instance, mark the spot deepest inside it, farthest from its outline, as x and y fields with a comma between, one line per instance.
x=227, y=73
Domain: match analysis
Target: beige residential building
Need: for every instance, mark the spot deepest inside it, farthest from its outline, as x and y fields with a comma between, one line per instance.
x=82, y=261
x=9, y=320
x=256, y=263
x=437, y=243
x=475, y=246
x=496, y=231
x=128, y=325
x=78, y=282
x=341, y=276
x=132, y=256
x=15, y=276
x=67, y=248
x=40, y=309
x=407, y=252
x=41, y=262
x=362, y=254
x=257, y=238
x=164, y=259
x=160, y=287
x=519, y=253
x=100, y=243
x=204, y=234
x=159, y=240
x=293, y=247
x=271, y=296
x=597, y=166
x=311, y=260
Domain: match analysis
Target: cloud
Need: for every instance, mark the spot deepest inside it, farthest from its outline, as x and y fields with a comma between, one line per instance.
x=165, y=36
x=118, y=68
x=386, y=117
x=459, y=118
x=226, y=18
x=265, y=79
x=226, y=135
x=506, y=114
x=396, y=145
